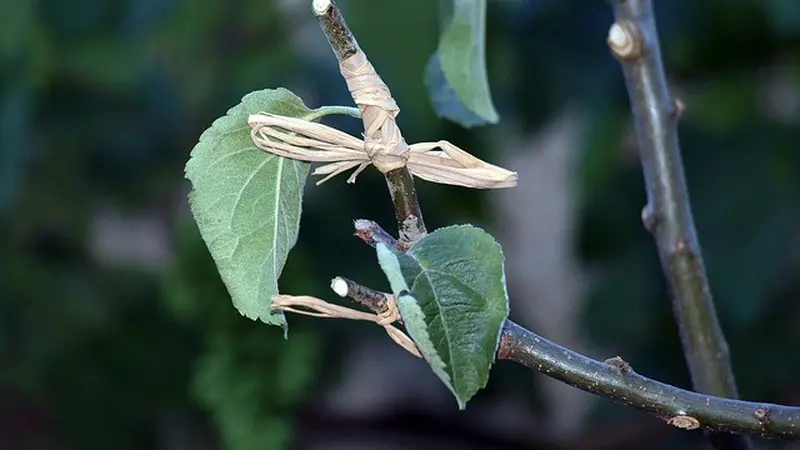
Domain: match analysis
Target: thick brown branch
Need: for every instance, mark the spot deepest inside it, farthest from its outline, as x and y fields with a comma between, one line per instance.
x=634, y=42
x=616, y=380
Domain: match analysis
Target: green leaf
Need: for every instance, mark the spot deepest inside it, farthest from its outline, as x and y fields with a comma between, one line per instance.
x=247, y=202
x=413, y=316
x=456, y=75
x=451, y=293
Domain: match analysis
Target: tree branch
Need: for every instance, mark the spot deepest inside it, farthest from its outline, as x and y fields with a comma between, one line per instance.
x=614, y=379
x=400, y=181
x=634, y=42
x=671, y=222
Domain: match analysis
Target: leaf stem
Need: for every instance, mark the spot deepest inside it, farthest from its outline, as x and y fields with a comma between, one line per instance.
x=633, y=40
x=328, y=110
x=400, y=182
x=614, y=379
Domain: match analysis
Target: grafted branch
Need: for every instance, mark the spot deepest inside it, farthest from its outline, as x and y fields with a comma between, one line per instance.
x=400, y=182
x=668, y=214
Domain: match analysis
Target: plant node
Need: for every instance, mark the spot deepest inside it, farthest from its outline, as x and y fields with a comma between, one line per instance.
x=625, y=40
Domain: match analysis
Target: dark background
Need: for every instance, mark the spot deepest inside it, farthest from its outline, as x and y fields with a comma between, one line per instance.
x=116, y=333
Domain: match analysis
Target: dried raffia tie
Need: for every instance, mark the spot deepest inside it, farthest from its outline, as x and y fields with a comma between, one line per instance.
x=383, y=145
x=320, y=308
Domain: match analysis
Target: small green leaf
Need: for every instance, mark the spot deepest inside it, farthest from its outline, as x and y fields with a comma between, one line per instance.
x=456, y=75
x=451, y=293
x=247, y=202
x=413, y=317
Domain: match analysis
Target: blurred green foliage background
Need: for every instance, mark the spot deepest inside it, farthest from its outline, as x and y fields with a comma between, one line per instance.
x=116, y=333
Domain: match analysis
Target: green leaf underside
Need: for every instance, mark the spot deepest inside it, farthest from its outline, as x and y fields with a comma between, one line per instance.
x=452, y=297
x=457, y=73
x=413, y=317
x=247, y=202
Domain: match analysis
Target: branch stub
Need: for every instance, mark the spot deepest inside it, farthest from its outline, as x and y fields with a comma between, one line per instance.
x=684, y=422
x=625, y=40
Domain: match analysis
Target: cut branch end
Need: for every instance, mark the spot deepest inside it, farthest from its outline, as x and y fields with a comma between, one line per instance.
x=321, y=6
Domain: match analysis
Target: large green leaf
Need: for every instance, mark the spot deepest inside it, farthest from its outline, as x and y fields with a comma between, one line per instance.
x=451, y=292
x=247, y=202
x=456, y=74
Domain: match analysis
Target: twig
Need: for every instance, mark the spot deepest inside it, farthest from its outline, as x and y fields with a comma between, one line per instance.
x=616, y=381
x=634, y=42
x=401, y=184
x=375, y=301
x=370, y=232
